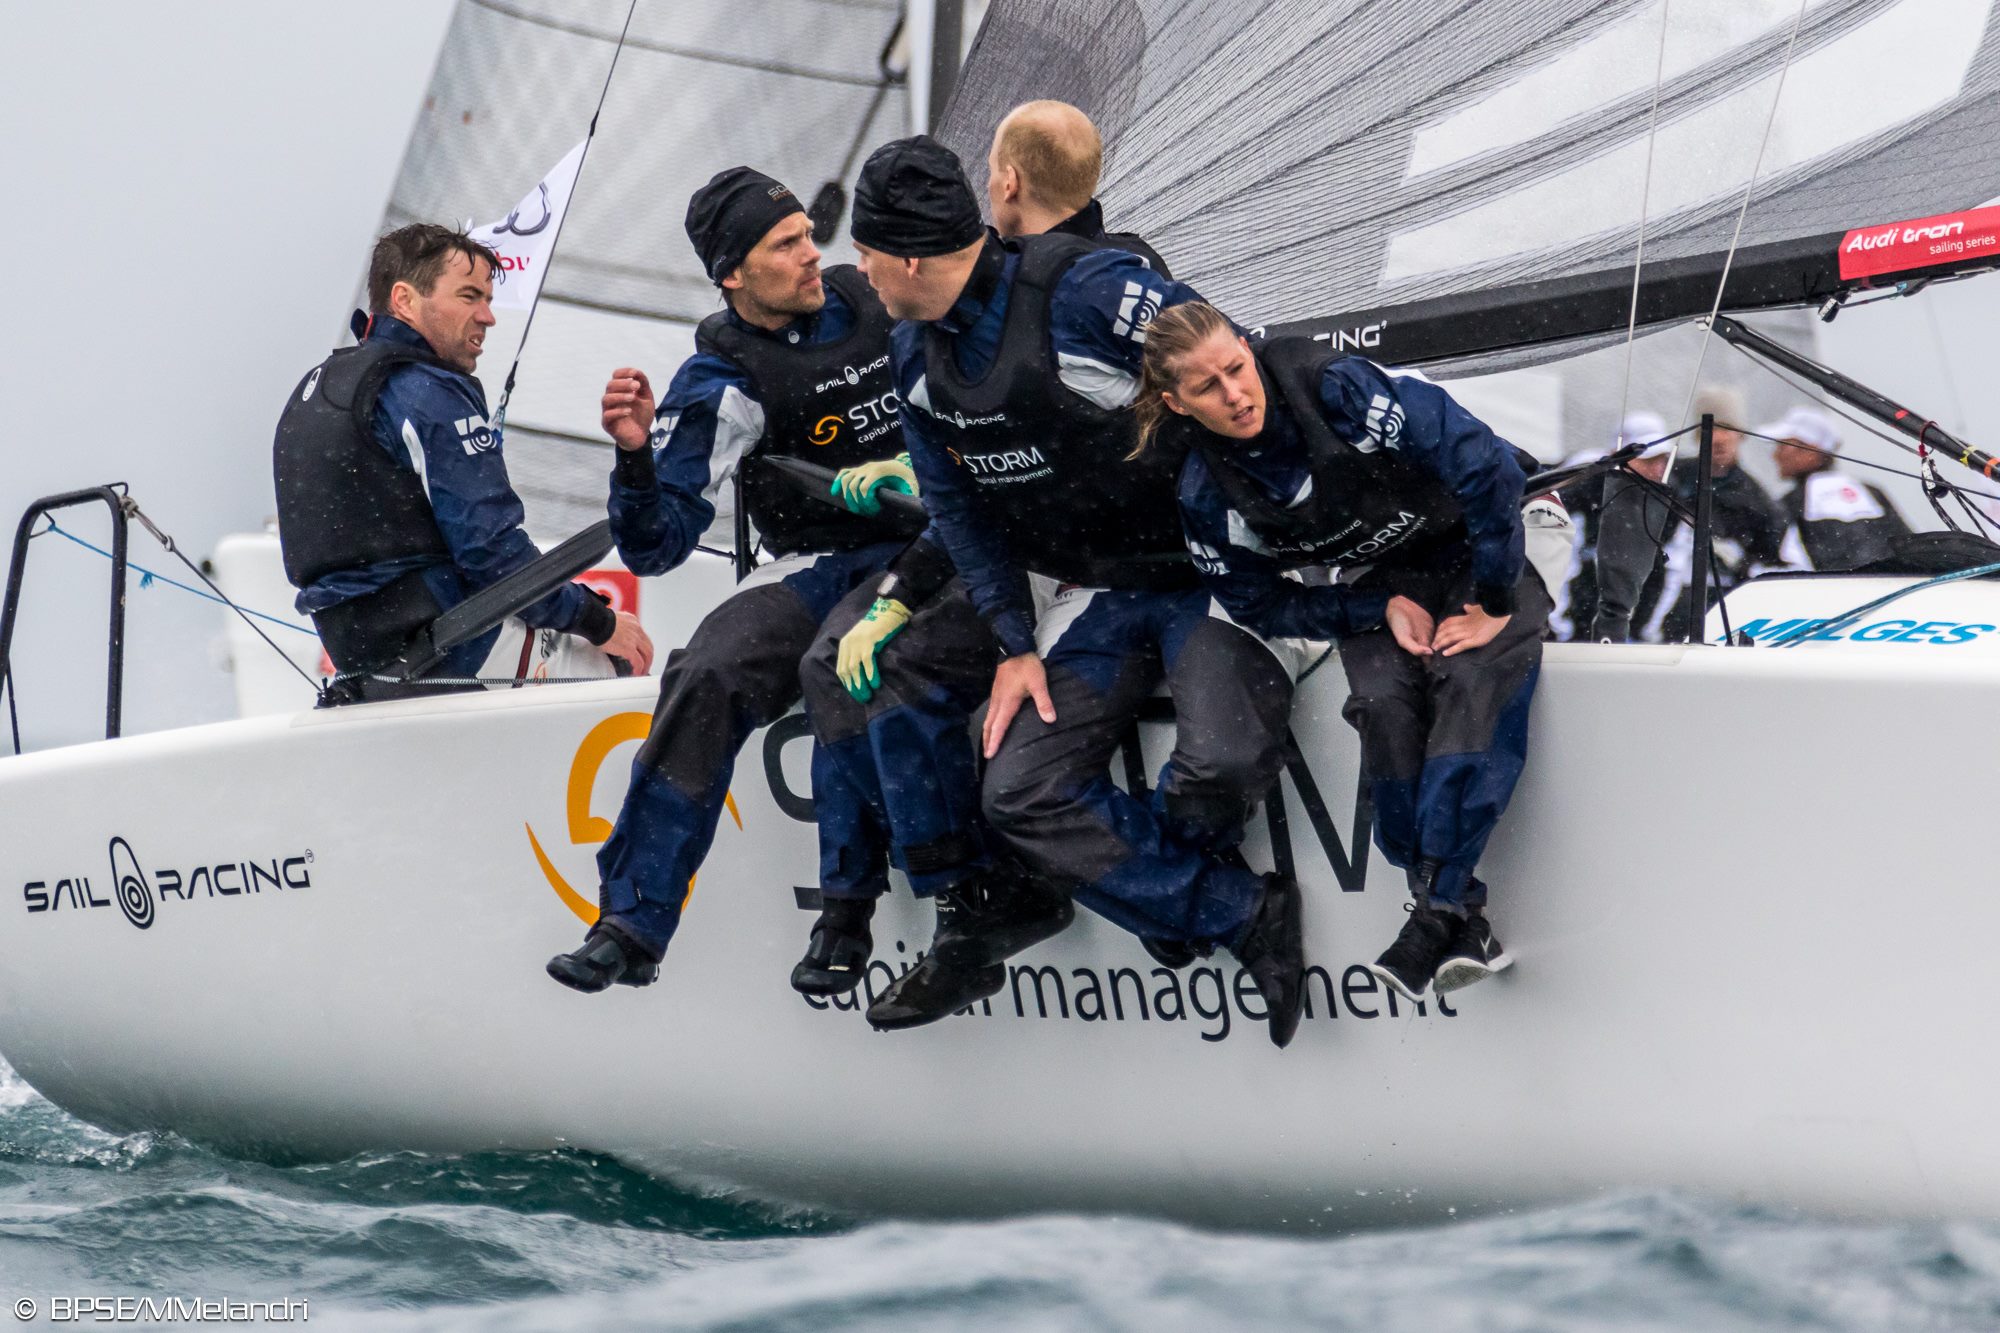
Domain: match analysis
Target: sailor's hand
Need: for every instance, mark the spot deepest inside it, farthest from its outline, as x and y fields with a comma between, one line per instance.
x=630, y=643
x=1474, y=629
x=1411, y=625
x=1018, y=678
x=856, y=486
x=860, y=646
x=628, y=408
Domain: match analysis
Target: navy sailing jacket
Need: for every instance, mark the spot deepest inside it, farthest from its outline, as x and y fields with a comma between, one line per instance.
x=1098, y=310
x=433, y=420
x=1361, y=402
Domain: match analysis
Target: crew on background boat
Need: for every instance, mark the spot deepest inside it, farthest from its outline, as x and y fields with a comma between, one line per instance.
x=1833, y=521
x=1746, y=530
x=393, y=498
x=891, y=691
x=1017, y=361
x=795, y=365
x=1297, y=456
x=1635, y=531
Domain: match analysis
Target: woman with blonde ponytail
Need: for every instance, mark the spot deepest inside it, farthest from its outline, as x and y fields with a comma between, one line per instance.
x=1298, y=456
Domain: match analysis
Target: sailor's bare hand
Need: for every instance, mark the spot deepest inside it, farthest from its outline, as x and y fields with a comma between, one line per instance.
x=631, y=643
x=1017, y=679
x=1410, y=624
x=1474, y=629
x=628, y=408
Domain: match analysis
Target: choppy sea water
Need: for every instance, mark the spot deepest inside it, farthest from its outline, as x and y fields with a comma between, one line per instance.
x=567, y=1240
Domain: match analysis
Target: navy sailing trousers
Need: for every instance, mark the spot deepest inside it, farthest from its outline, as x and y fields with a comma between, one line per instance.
x=905, y=758
x=1444, y=739
x=738, y=672
x=1048, y=795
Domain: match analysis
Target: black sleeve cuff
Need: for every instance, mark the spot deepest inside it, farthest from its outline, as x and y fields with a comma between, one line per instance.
x=1495, y=599
x=596, y=621
x=916, y=575
x=634, y=470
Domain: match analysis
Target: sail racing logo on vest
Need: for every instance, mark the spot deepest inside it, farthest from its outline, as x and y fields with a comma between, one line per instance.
x=476, y=435
x=851, y=375
x=133, y=890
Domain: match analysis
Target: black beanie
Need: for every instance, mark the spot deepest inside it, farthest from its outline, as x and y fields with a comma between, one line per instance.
x=912, y=201
x=729, y=215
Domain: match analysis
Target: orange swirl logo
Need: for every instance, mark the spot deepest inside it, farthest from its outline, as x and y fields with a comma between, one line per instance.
x=587, y=829
x=825, y=429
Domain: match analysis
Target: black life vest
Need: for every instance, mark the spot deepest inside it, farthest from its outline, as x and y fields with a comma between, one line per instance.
x=343, y=500
x=1049, y=467
x=833, y=404
x=1365, y=506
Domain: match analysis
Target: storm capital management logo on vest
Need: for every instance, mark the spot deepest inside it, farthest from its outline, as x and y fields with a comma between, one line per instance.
x=1005, y=465
x=139, y=892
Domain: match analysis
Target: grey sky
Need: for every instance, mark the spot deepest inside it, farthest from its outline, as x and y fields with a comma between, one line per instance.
x=191, y=192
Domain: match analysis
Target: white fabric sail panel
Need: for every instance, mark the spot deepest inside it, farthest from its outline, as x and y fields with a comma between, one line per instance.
x=1707, y=156
x=698, y=88
x=1616, y=63
x=792, y=87
x=1303, y=159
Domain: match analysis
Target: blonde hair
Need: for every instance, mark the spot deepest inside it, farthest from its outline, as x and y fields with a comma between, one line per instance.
x=1174, y=333
x=1058, y=152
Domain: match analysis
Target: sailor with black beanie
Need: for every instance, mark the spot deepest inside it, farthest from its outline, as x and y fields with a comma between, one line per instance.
x=1016, y=363
x=795, y=365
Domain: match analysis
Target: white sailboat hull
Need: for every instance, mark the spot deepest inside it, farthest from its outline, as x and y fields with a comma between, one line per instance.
x=1754, y=960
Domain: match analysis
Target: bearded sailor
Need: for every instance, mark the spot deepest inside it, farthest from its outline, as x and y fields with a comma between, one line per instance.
x=797, y=363
x=1297, y=457
x=1016, y=361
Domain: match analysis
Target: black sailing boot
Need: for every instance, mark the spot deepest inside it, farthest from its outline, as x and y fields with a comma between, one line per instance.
x=1473, y=953
x=606, y=955
x=1273, y=952
x=837, y=956
x=981, y=922
x=1409, y=964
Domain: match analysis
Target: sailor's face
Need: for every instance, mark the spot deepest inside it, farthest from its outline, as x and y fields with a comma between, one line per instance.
x=1217, y=384
x=901, y=284
x=781, y=274
x=1794, y=460
x=1723, y=453
x=455, y=314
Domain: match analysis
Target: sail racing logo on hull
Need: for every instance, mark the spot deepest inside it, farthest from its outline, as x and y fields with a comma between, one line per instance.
x=139, y=895
x=129, y=886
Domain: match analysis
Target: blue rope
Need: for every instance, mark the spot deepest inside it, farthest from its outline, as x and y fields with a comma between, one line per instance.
x=147, y=578
x=1846, y=618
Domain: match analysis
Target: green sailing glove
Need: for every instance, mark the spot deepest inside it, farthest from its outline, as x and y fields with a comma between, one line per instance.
x=856, y=486
x=860, y=646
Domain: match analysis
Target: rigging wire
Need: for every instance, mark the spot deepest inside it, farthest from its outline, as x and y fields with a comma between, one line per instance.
x=1645, y=206
x=590, y=137
x=1742, y=211
x=1866, y=426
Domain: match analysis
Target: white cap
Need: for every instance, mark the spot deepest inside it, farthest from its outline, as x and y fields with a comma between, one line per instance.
x=1807, y=426
x=1645, y=428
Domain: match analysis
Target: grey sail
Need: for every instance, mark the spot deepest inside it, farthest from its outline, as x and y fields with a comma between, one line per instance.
x=1315, y=158
x=791, y=86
